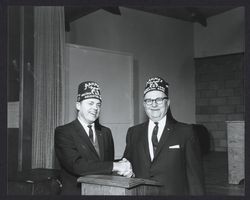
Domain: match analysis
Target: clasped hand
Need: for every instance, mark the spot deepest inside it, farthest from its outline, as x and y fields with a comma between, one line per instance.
x=123, y=168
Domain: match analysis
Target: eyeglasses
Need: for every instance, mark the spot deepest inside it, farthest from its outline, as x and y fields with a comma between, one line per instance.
x=158, y=101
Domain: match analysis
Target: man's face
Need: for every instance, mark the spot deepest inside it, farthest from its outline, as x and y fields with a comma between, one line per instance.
x=156, y=111
x=89, y=109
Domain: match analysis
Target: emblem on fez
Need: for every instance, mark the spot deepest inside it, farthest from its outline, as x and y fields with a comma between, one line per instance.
x=94, y=90
x=153, y=83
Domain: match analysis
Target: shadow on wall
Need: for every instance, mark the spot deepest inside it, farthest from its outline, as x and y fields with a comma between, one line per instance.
x=204, y=138
x=136, y=91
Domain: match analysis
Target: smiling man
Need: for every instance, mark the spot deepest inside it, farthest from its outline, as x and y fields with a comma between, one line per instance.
x=83, y=146
x=163, y=149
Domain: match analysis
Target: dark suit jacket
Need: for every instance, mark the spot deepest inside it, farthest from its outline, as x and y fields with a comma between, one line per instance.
x=179, y=170
x=77, y=155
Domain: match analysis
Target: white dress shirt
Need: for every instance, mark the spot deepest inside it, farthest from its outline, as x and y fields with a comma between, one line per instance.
x=86, y=128
x=151, y=125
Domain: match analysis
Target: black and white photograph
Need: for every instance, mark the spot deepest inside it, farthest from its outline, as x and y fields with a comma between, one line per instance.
x=131, y=99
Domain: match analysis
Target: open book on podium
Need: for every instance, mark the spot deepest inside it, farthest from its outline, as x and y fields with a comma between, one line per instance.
x=117, y=185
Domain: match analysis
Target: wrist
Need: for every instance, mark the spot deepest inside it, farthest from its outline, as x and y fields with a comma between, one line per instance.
x=115, y=167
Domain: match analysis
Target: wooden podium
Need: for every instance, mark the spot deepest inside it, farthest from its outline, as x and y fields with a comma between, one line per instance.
x=117, y=185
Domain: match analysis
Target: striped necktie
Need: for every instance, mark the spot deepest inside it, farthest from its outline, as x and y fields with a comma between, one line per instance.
x=154, y=137
x=90, y=133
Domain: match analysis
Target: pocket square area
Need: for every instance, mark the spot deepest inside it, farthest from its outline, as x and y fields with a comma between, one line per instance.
x=174, y=146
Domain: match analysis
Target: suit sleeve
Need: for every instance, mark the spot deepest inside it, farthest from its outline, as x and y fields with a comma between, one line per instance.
x=127, y=153
x=74, y=162
x=111, y=147
x=194, y=168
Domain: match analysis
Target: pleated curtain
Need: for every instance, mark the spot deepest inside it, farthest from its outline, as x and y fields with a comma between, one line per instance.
x=49, y=83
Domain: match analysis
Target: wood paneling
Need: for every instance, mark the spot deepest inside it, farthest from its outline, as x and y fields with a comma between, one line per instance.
x=13, y=60
x=26, y=89
x=117, y=185
x=21, y=79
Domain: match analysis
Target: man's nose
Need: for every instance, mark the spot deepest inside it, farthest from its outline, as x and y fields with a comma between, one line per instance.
x=95, y=107
x=154, y=104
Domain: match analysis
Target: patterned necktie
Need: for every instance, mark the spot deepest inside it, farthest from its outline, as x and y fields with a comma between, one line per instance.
x=90, y=133
x=154, y=137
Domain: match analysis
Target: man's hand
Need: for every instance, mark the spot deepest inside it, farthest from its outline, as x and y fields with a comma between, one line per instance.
x=123, y=168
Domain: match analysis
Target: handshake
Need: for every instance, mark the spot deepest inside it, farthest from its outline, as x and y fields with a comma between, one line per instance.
x=123, y=168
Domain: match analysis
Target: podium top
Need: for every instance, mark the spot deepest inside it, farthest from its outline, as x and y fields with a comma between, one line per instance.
x=116, y=181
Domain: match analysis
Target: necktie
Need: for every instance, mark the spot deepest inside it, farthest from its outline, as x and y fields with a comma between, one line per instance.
x=154, y=137
x=90, y=133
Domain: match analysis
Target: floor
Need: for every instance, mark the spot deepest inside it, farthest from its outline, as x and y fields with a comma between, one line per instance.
x=216, y=176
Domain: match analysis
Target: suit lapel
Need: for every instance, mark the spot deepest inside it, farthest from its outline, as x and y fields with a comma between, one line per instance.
x=144, y=136
x=82, y=137
x=100, y=142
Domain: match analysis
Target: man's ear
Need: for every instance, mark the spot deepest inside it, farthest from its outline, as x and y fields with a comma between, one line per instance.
x=168, y=103
x=78, y=105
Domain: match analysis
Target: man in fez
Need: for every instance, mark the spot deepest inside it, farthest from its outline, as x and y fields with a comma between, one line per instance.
x=83, y=146
x=164, y=149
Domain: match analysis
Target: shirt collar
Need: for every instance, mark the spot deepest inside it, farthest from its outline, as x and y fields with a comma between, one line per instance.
x=162, y=122
x=85, y=125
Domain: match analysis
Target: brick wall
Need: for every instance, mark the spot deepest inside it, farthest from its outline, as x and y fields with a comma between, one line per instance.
x=219, y=95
